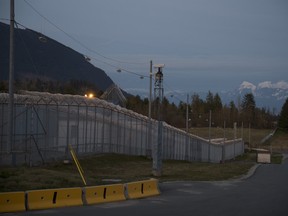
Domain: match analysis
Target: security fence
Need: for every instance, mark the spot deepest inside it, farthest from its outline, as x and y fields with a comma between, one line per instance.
x=46, y=124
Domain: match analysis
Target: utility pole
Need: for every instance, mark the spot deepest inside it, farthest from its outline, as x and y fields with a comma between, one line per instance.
x=223, y=144
x=187, y=128
x=11, y=81
x=150, y=91
x=210, y=116
x=149, y=112
x=157, y=150
x=187, y=115
x=209, y=147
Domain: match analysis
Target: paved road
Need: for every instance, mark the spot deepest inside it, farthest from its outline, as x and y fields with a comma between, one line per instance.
x=264, y=193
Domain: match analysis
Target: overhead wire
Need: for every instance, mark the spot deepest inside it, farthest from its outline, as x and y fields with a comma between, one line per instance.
x=4, y=19
x=77, y=41
x=27, y=50
x=95, y=52
x=175, y=93
x=92, y=57
x=89, y=49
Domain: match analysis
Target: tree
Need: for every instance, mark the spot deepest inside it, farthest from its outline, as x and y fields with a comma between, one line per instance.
x=3, y=86
x=165, y=106
x=283, y=118
x=197, y=108
x=233, y=113
x=217, y=102
x=210, y=101
x=248, y=106
x=197, y=104
x=248, y=102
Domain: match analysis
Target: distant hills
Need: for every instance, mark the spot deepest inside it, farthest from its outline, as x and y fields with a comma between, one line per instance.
x=267, y=94
x=38, y=56
x=46, y=59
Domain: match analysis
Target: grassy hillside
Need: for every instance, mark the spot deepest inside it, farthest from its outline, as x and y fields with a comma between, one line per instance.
x=111, y=168
x=279, y=141
x=49, y=60
x=253, y=135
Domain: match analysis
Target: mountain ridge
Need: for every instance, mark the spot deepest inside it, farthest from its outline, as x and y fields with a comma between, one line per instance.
x=267, y=94
x=267, y=89
x=38, y=56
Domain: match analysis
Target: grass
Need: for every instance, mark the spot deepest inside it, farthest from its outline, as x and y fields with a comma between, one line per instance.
x=276, y=158
x=114, y=167
x=255, y=137
x=279, y=142
x=125, y=168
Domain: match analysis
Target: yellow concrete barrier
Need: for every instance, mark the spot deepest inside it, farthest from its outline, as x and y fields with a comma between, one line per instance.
x=134, y=190
x=150, y=187
x=54, y=198
x=115, y=192
x=104, y=193
x=12, y=202
x=142, y=189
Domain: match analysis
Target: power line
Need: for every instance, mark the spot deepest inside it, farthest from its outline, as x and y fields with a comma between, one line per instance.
x=27, y=50
x=4, y=19
x=117, y=68
x=92, y=57
x=173, y=93
x=93, y=51
x=76, y=40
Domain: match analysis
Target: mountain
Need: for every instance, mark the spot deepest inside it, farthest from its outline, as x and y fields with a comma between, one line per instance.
x=267, y=89
x=267, y=94
x=38, y=56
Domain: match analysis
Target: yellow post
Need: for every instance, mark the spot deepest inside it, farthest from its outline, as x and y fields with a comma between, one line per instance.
x=80, y=170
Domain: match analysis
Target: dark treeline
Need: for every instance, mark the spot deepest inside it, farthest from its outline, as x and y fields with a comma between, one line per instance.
x=283, y=118
x=245, y=112
x=74, y=87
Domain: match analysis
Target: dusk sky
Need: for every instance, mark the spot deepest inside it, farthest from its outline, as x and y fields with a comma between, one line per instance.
x=204, y=44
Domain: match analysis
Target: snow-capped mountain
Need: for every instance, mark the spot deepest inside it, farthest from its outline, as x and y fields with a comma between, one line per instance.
x=267, y=89
x=267, y=94
x=247, y=85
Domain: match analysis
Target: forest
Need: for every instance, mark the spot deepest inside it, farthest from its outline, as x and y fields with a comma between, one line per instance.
x=199, y=112
x=222, y=115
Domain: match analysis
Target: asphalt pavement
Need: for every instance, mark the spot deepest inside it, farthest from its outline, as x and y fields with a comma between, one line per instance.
x=263, y=192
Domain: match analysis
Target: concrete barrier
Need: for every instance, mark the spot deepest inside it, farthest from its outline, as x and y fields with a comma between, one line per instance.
x=54, y=198
x=263, y=157
x=12, y=202
x=142, y=189
x=104, y=193
x=64, y=197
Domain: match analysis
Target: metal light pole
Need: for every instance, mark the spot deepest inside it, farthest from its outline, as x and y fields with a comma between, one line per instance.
x=187, y=128
x=209, y=146
x=148, y=153
x=150, y=91
x=223, y=144
x=11, y=81
x=187, y=114
x=157, y=150
x=210, y=116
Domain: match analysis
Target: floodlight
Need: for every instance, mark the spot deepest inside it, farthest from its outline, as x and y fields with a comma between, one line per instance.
x=159, y=65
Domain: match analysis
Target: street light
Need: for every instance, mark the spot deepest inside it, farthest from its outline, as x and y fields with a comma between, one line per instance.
x=11, y=85
x=158, y=93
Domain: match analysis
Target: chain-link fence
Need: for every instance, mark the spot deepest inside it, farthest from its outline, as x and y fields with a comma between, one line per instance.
x=46, y=124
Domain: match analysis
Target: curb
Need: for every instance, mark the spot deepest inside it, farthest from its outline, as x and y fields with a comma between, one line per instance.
x=250, y=172
x=285, y=157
